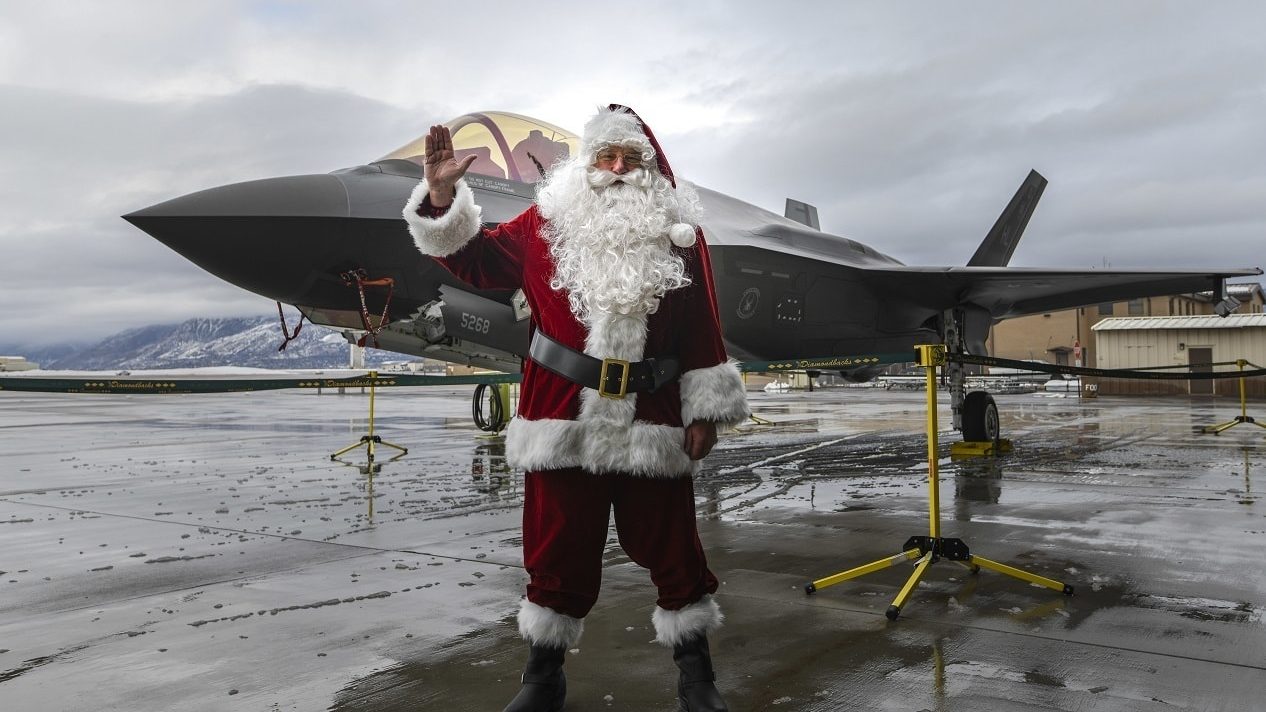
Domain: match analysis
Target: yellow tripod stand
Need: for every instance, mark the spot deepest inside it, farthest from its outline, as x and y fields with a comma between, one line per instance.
x=1243, y=417
x=933, y=547
x=368, y=441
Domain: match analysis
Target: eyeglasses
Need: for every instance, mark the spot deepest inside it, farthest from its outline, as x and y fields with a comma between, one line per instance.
x=632, y=157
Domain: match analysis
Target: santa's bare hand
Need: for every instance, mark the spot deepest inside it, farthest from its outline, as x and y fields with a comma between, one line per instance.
x=441, y=167
x=701, y=435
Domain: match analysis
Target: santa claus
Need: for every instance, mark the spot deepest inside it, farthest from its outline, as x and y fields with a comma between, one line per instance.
x=623, y=391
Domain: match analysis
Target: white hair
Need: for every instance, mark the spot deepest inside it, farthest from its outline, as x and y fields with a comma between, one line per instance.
x=609, y=236
x=614, y=128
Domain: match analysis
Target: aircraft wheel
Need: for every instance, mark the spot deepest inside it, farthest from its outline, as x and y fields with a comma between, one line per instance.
x=980, y=418
x=496, y=417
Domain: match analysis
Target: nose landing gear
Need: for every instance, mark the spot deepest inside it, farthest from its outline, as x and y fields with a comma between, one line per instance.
x=980, y=418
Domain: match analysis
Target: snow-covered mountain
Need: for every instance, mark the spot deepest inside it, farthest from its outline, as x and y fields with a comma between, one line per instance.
x=248, y=341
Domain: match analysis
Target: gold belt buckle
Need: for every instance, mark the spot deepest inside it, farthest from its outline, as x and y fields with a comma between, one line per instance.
x=624, y=378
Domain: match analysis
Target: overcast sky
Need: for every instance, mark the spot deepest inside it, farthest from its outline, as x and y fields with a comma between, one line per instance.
x=908, y=124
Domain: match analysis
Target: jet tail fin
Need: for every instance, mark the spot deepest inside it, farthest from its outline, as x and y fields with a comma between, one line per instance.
x=1000, y=243
x=802, y=213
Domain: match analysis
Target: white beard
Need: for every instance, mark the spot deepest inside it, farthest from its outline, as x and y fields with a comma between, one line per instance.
x=609, y=240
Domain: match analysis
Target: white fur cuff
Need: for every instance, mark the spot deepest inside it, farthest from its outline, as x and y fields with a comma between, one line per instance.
x=715, y=394
x=673, y=627
x=543, y=444
x=544, y=626
x=442, y=236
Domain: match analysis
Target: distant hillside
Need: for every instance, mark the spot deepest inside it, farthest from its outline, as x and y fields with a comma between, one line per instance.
x=41, y=354
x=249, y=341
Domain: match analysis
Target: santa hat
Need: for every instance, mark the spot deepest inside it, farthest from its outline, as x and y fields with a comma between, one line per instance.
x=618, y=125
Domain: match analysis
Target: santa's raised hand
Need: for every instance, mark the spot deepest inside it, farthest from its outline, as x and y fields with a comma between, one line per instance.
x=442, y=169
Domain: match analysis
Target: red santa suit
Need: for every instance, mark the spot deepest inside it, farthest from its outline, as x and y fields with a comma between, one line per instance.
x=584, y=454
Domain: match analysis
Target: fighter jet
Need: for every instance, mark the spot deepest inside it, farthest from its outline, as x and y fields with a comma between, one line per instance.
x=335, y=246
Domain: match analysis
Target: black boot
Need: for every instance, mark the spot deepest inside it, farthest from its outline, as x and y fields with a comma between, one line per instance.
x=544, y=684
x=695, y=689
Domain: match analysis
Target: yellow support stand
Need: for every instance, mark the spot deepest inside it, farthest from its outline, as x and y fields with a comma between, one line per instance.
x=370, y=440
x=503, y=393
x=933, y=547
x=1243, y=417
x=985, y=448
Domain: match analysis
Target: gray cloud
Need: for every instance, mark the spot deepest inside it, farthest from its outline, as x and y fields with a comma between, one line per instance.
x=75, y=164
x=1148, y=158
x=908, y=126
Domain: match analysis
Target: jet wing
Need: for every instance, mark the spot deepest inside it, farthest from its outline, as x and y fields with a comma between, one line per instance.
x=1015, y=291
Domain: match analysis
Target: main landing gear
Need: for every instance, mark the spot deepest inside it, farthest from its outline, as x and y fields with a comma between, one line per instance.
x=975, y=413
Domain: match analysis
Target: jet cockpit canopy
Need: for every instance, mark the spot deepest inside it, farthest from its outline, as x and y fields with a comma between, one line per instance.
x=506, y=146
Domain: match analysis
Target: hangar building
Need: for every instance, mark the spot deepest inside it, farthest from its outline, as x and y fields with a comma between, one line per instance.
x=1134, y=342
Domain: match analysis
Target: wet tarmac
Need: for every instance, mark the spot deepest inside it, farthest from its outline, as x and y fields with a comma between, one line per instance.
x=202, y=552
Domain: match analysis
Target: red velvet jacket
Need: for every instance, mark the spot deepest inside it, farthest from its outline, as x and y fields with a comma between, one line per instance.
x=559, y=423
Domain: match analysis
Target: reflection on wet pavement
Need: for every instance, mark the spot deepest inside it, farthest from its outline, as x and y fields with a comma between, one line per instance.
x=208, y=547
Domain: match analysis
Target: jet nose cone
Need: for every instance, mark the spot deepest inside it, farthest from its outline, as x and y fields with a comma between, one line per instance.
x=258, y=235
x=292, y=196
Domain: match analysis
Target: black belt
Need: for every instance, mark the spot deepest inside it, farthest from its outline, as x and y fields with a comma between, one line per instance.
x=610, y=377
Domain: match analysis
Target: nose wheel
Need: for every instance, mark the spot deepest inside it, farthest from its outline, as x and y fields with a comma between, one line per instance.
x=980, y=418
x=496, y=396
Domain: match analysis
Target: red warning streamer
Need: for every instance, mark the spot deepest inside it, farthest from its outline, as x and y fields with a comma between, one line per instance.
x=357, y=278
x=285, y=331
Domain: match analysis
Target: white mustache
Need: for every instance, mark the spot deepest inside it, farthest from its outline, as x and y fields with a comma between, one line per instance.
x=599, y=178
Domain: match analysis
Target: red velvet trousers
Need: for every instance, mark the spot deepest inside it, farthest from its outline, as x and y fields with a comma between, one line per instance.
x=565, y=519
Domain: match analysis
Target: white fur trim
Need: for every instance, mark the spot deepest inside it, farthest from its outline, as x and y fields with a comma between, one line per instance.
x=682, y=235
x=544, y=626
x=621, y=336
x=689, y=207
x=604, y=438
x=641, y=449
x=543, y=444
x=614, y=128
x=716, y=394
x=673, y=627
x=442, y=236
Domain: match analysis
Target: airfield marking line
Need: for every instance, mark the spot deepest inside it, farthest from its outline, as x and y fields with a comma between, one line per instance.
x=108, y=447
x=775, y=458
x=367, y=549
x=1069, y=484
x=782, y=489
x=203, y=584
x=1177, y=656
x=369, y=552
x=1104, y=646
x=77, y=423
x=44, y=490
